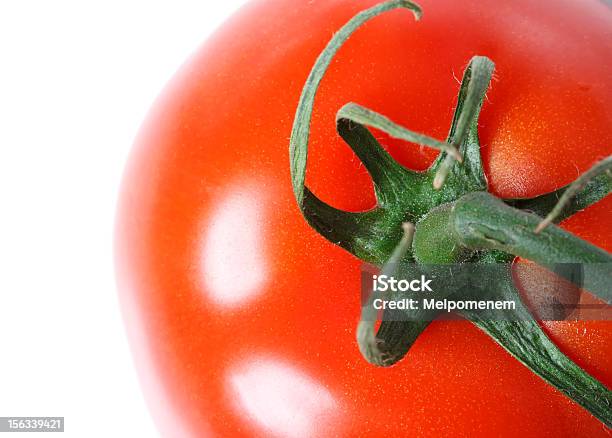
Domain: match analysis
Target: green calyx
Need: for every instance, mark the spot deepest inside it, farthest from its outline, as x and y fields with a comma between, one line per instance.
x=456, y=220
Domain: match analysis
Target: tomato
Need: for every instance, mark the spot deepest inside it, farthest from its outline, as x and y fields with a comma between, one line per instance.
x=242, y=318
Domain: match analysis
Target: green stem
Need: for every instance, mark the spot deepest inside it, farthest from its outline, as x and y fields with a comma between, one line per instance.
x=300, y=134
x=593, y=191
x=370, y=235
x=359, y=114
x=601, y=168
x=482, y=221
x=475, y=83
x=389, y=177
x=524, y=339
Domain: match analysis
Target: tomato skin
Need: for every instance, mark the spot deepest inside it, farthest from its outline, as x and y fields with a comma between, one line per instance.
x=207, y=198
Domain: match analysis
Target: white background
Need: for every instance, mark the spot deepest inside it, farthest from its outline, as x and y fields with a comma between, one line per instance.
x=76, y=80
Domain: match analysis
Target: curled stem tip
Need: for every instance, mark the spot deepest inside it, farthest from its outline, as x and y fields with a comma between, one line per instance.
x=599, y=168
x=300, y=133
x=371, y=347
x=408, y=228
x=442, y=173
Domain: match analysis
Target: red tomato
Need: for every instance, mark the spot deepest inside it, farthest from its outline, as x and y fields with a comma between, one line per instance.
x=242, y=318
